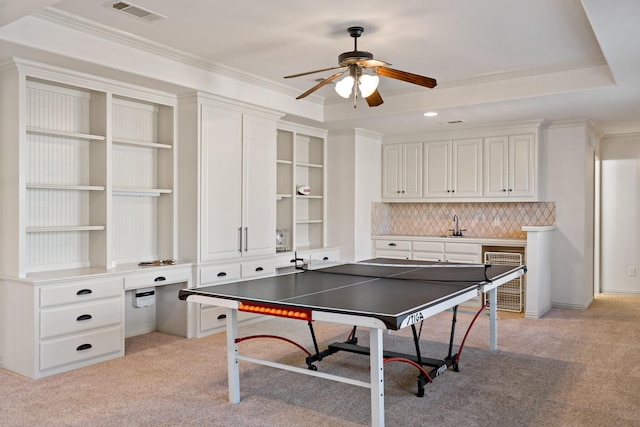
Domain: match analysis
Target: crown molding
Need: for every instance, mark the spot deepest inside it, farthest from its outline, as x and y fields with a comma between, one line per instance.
x=59, y=17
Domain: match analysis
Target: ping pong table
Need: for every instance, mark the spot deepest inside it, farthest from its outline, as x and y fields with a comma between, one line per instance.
x=379, y=294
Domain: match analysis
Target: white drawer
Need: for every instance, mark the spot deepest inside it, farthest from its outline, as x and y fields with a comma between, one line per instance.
x=325, y=255
x=219, y=273
x=404, y=245
x=157, y=278
x=80, y=317
x=80, y=347
x=212, y=318
x=264, y=267
x=285, y=260
x=462, y=248
x=393, y=254
x=428, y=246
x=80, y=291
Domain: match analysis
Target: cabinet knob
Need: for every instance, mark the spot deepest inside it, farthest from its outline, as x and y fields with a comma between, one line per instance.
x=504, y=189
x=83, y=347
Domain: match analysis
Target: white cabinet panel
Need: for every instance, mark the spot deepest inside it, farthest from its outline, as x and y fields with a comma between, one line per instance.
x=453, y=169
x=221, y=197
x=402, y=170
x=238, y=184
x=509, y=167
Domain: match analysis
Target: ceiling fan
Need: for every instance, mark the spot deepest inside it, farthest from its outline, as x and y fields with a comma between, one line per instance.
x=362, y=72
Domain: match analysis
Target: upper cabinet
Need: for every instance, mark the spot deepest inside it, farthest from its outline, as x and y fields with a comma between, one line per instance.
x=509, y=166
x=402, y=171
x=301, y=183
x=463, y=166
x=453, y=169
x=88, y=172
x=229, y=154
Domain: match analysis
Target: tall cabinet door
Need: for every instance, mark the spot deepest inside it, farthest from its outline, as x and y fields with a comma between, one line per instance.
x=392, y=170
x=412, y=164
x=467, y=167
x=496, y=151
x=437, y=169
x=221, y=181
x=521, y=165
x=259, y=186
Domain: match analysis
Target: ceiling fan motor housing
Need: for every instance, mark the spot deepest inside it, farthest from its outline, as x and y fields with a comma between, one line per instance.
x=353, y=57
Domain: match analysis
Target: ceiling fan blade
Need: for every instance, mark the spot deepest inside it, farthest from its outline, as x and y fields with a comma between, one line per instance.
x=374, y=99
x=370, y=63
x=407, y=77
x=322, y=83
x=312, y=72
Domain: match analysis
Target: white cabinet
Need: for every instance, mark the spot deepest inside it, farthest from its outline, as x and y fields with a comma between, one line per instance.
x=453, y=169
x=428, y=251
x=301, y=162
x=425, y=250
x=210, y=319
x=229, y=155
x=509, y=166
x=63, y=325
x=402, y=170
x=397, y=249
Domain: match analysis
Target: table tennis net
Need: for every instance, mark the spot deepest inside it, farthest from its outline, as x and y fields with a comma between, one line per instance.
x=436, y=272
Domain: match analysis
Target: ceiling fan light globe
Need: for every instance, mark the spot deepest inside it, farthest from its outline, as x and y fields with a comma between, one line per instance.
x=368, y=84
x=345, y=86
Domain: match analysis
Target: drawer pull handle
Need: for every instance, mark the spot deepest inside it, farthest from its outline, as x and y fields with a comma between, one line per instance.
x=160, y=279
x=392, y=244
x=222, y=274
x=222, y=317
x=259, y=269
x=84, y=292
x=292, y=261
x=83, y=317
x=83, y=347
x=325, y=258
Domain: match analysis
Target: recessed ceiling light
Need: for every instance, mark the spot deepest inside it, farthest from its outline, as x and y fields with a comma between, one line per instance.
x=430, y=114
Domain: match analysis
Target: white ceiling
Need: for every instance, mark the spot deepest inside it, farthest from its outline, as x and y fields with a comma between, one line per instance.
x=495, y=61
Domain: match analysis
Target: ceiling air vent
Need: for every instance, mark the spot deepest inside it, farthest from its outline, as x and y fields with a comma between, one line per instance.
x=135, y=11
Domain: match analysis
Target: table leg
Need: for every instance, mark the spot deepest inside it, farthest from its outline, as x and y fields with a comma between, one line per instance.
x=493, y=319
x=377, y=377
x=233, y=368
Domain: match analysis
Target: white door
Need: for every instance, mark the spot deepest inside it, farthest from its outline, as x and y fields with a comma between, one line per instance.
x=521, y=165
x=412, y=173
x=467, y=167
x=495, y=166
x=259, y=186
x=221, y=180
x=392, y=171
x=437, y=169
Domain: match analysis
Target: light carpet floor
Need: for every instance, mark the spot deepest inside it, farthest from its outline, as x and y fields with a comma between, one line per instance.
x=570, y=368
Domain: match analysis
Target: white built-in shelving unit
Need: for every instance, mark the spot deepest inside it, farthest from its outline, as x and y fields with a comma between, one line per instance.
x=301, y=161
x=94, y=168
x=88, y=190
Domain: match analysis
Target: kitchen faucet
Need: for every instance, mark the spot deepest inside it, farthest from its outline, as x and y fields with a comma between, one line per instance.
x=457, y=232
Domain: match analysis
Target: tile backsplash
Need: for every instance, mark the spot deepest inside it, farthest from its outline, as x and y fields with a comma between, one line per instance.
x=499, y=220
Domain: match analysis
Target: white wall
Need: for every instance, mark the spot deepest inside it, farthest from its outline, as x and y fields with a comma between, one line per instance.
x=620, y=177
x=353, y=180
x=568, y=162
